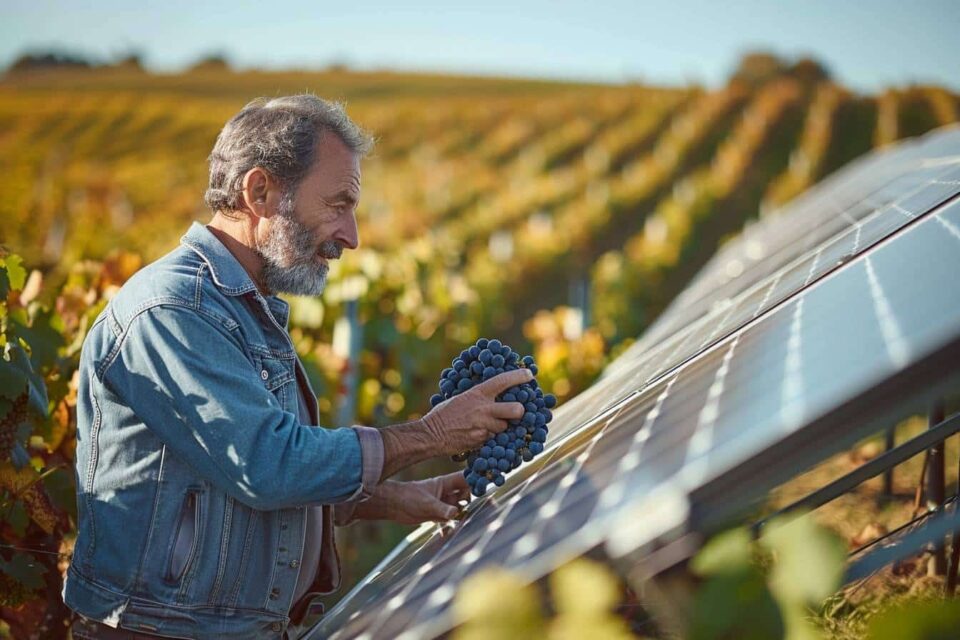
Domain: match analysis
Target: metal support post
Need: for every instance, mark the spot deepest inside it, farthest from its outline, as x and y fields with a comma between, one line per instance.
x=951, y=586
x=889, y=443
x=936, y=490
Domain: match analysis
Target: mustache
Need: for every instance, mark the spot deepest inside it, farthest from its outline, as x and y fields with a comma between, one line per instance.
x=331, y=249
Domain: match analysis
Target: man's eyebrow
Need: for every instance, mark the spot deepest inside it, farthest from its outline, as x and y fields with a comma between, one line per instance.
x=347, y=196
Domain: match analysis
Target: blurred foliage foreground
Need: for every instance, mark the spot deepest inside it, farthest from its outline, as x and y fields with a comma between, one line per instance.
x=778, y=587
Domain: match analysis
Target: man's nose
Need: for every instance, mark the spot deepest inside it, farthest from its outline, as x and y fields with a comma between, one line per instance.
x=348, y=234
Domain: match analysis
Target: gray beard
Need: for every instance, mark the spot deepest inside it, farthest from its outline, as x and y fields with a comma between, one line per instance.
x=289, y=259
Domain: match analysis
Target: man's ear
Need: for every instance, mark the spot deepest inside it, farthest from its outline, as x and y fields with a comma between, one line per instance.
x=261, y=192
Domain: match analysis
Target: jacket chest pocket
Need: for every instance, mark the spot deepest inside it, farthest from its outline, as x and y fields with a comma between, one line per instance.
x=278, y=377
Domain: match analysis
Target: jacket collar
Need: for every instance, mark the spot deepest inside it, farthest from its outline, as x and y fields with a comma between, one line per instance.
x=227, y=272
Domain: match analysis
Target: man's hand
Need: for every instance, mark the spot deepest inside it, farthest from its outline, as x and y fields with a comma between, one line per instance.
x=466, y=421
x=461, y=423
x=434, y=499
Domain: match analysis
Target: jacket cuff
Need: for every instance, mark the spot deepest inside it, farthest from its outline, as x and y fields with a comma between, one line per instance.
x=371, y=458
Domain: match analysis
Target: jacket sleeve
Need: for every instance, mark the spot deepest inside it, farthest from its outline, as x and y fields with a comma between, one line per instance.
x=191, y=383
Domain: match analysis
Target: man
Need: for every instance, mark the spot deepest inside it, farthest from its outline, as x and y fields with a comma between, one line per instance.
x=206, y=495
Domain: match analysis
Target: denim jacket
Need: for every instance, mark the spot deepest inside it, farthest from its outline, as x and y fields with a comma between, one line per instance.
x=188, y=438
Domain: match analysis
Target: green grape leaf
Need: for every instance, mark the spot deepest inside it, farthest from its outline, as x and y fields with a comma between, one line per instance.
x=17, y=373
x=17, y=518
x=810, y=560
x=16, y=274
x=735, y=605
x=726, y=553
x=936, y=620
x=24, y=569
x=43, y=336
x=62, y=492
x=13, y=380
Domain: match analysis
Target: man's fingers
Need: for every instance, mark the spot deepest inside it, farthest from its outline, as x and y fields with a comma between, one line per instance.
x=494, y=425
x=507, y=410
x=454, y=482
x=480, y=435
x=453, y=498
x=440, y=510
x=498, y=384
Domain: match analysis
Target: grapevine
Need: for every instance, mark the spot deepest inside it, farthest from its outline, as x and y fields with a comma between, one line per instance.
x=523, y=439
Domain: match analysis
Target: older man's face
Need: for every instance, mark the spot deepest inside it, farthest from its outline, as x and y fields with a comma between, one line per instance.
x=316, y=225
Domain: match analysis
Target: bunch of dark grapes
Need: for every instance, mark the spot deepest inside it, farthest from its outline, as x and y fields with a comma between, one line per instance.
x=523, y=439
x=9, y=424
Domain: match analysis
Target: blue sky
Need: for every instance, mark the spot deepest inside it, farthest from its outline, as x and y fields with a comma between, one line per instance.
x=867, y=45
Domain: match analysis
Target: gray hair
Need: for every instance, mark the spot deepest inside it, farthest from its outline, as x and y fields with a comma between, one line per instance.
x=280, y=136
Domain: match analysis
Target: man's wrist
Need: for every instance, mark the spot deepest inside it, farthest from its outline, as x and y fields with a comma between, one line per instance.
x=406, y=444
x=378, y=507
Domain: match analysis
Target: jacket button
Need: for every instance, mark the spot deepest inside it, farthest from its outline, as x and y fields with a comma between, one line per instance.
x=264, y=374
x=294, y=564
x=276, y=626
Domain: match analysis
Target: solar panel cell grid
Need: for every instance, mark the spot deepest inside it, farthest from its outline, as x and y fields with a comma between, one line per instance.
x=845, y=192
x=864, y=224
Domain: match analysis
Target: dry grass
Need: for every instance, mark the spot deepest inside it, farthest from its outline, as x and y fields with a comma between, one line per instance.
x=861, y=516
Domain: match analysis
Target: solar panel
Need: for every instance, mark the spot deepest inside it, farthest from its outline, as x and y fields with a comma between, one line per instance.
x=688, y=433
x=864, y=202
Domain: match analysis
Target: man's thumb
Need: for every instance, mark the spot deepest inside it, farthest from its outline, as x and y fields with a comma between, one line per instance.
x=449, y=512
